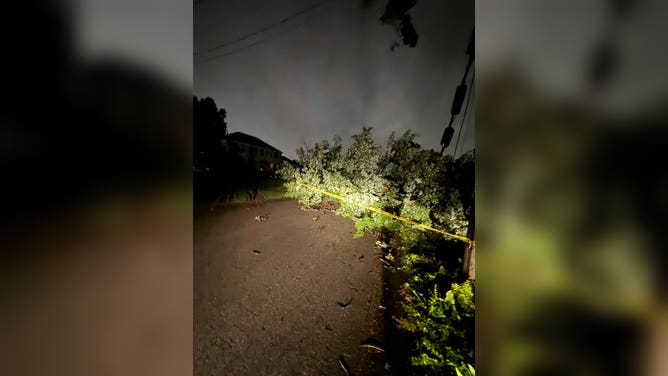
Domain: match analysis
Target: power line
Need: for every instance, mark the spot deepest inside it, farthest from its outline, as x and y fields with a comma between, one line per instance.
x=460, y=92
x=245, y=47
x=466, y=107
x=466, y=132
x=266, y=28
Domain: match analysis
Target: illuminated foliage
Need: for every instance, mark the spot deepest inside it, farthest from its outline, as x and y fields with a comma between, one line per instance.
x=424, y=182
x=443, y=324
x=352, y=174
x=421, y=185
x=405, y=180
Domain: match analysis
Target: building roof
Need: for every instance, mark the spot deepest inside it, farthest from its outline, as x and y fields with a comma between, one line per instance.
x=248, y=139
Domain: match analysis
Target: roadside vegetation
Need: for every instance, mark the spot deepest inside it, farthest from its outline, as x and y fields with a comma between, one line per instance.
x=436, y=299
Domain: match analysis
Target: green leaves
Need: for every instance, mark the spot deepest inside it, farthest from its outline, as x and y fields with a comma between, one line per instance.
x=352, y=173
x=404, y=179
x=443, y=326
x=417, y=213
x=466, y=370
x=418, y=184
x=450, y=299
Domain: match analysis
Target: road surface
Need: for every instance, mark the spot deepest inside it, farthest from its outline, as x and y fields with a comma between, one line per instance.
x=269, y=285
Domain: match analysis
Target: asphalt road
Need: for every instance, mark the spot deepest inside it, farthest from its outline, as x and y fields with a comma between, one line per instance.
x=267, y=293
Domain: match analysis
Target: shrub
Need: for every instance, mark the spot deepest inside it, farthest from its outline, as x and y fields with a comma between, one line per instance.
x=422, y=186
x=424, y=178
x=404, y=180
x=353, y=174
x=443, y=325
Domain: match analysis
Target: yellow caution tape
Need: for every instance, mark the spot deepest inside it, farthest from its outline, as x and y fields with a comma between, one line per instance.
x=383, y=212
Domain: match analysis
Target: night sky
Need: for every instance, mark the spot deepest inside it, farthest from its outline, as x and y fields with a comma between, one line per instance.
x=328, y=69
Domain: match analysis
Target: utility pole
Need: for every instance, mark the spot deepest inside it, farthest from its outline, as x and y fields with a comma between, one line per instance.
x=468, y=266
x=460, y=94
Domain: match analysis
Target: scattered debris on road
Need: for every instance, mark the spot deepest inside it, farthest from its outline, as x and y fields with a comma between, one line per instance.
x=316, y=217
x=381, y=307
x=374, y=344
x=378, y=349
x=329, y=207
x=344, y=365
x=290, y=273
x=346, y=304
x=380, y=244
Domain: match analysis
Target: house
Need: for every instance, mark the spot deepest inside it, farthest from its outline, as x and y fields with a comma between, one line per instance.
x=285, y=160
x=255, y=153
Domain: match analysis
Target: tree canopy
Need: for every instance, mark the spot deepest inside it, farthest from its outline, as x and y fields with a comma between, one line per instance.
x=209, y=127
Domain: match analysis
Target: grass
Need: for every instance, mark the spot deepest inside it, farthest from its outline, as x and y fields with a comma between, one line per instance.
x=272, y=189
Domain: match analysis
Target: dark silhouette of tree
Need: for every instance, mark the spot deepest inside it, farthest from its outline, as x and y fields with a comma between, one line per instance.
x=218, y=171
x=105, y=125
x=209, y=127
x=396, y=12
x=604, y=61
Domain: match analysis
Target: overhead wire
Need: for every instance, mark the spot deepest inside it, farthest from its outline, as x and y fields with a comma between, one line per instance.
x=283, y=21
x=466, y=132
x=245, y=47
x=466, y=107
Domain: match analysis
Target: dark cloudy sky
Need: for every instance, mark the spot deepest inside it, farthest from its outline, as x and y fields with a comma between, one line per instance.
x=329, y=69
